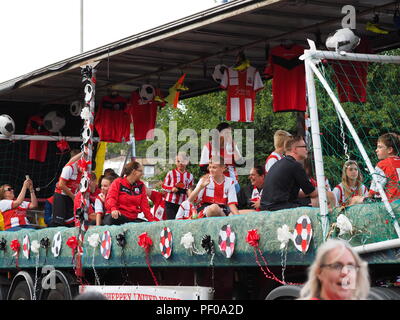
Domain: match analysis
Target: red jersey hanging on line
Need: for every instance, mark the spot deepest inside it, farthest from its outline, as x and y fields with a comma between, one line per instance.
x=351, y=76
x=37, y=149
x=111, y=121
x=143, y=116
x=289, y=80
x=242, y=87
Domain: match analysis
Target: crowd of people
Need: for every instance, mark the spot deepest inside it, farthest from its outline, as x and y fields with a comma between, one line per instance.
x=286, y=180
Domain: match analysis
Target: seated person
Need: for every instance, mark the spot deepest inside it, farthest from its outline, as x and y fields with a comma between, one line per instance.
x=158, y=198
x=387, y=169
x=127, y=198
x=99, y=203
x=286, y=177
x=48, y=210
x=215, y=192
x=280, y=136
x=351, y=188
x=14, y=210
x=308, y=167
x=249, y=197
x=93, y=193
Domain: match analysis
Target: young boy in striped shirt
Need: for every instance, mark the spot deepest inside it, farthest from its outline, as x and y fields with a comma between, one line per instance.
x=177, y=184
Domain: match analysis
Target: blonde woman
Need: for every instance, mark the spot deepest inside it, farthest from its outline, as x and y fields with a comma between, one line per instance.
x=351, y=190
x=337, y=273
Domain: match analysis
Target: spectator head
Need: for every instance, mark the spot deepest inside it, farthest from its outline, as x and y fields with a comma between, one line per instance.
x=257, y=175
x=90, y=296
x=337, y=273
x=6, y=192
x=296, y=147
x=133, y=170
x=388, y=145
x=280, y=136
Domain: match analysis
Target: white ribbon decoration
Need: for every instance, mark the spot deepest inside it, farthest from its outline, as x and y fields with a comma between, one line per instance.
x=284, y=236
x=85, y=113
x=94, y=240
x=35, y=246
x=344, y=224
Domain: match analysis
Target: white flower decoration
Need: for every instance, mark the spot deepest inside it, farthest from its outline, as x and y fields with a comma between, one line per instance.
x=344, y=224
x=85, y=113
x=187, y=240
x=284, y=235
x=94, y=240
x=35, y=246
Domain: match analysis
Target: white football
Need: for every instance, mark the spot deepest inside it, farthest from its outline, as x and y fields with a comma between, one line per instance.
x=342, y=40
x=54, y=121
x=7, y=125
x=219, y=72
x=146, y=93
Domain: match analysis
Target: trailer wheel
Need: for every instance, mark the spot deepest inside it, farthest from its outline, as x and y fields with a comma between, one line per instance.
x=284, y=293
x=59, y=293
x=21, y=292
x=377, y=293
x=62, y=289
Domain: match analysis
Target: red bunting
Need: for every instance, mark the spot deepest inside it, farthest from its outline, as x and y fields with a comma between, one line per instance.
x=15, y=246
x=72, y=242
x=253, y=238
x=63, y=145
x=145, y=242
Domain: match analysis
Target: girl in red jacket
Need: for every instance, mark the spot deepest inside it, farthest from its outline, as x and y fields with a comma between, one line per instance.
x=127, y=197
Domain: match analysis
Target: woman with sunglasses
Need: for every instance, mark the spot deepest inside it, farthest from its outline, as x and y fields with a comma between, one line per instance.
x=14, y=210
x=337, y=273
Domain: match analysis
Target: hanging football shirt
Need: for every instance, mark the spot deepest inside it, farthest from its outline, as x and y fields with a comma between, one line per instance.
x=37, y=149
x=351, y=76
x=111, y=121
x=242, y=87
x=288, y=78
x=143, y=116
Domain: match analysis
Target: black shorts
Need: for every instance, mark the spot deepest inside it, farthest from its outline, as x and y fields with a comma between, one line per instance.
x=63, y=211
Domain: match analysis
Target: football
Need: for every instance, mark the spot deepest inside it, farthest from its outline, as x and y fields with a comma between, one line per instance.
x=7, y=125
x=219, y=72
x=146, y=93
x=342, y=40
x=75, y=108
x=54, y=121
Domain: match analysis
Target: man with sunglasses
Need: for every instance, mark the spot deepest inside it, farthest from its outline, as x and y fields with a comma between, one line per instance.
x=286, y=178
x=14, y=210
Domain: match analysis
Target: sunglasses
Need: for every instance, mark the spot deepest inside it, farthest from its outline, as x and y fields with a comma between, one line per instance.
x=9, y=189
x=301, y=147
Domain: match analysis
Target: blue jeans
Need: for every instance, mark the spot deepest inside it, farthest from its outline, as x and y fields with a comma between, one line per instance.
x=27, y=226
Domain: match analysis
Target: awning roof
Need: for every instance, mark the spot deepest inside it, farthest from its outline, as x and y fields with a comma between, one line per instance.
x=195, y=44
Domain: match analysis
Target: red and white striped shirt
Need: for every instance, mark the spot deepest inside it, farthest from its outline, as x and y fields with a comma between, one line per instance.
x=271, y=160
x=242, y=87
x=72, y=176
x=223, y=193
x=14, y=217
x=340, y=194
x=182, y=180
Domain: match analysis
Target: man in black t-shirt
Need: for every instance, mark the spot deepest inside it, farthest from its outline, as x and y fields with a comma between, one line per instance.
x=285, y=179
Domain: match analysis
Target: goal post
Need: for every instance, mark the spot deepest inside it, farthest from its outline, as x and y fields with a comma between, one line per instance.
x=312, y=58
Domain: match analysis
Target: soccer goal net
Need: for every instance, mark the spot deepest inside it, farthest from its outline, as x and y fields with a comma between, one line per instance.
x=357, y=98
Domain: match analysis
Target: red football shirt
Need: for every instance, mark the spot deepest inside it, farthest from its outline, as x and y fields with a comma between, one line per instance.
x=111, y=122
x=37, y=149
x=289, y=79
x=143, y=116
